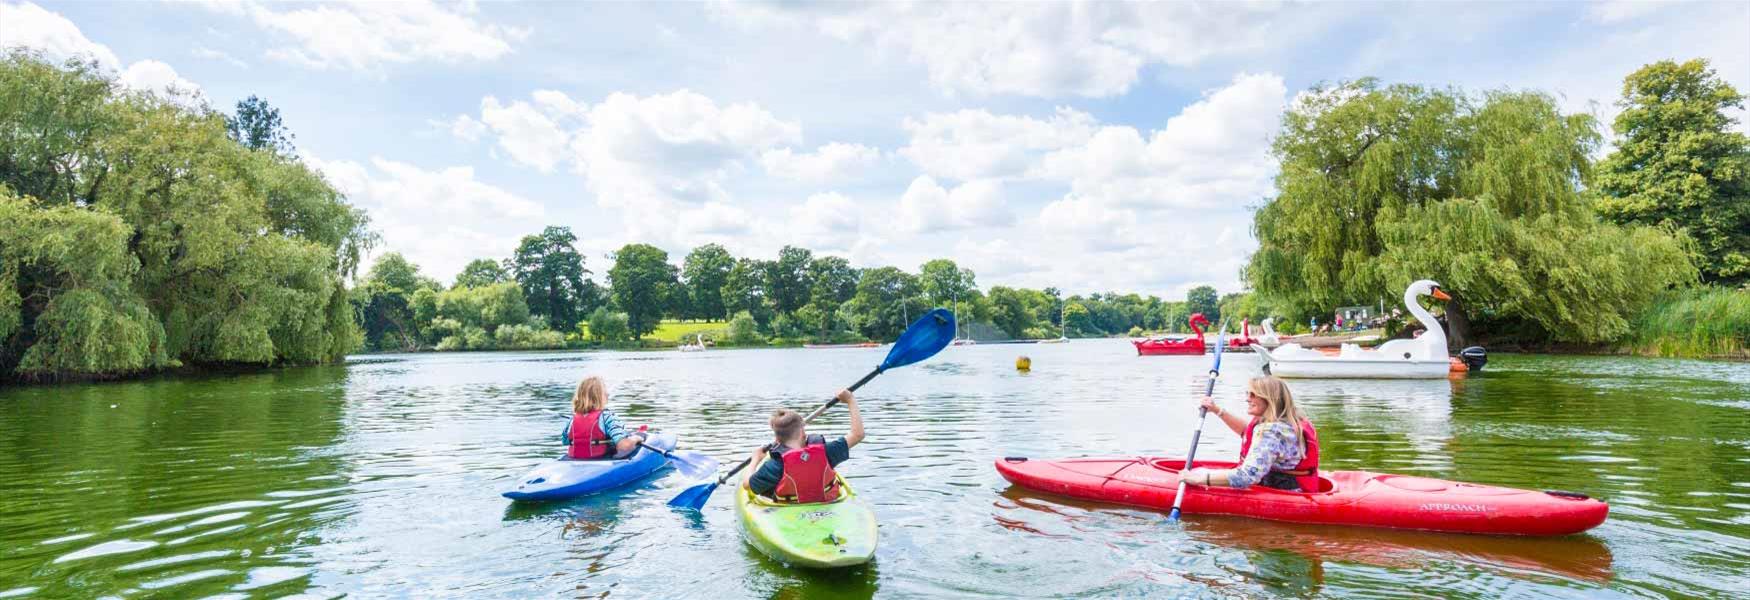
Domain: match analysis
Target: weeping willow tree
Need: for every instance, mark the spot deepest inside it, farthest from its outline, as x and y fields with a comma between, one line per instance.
x=1383, y=185
x=138, y=235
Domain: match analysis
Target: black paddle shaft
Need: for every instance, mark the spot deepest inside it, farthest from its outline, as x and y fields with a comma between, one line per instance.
x=809, y=419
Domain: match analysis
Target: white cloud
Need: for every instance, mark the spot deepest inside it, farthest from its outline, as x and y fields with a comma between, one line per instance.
x=30, y=26
x=1617, y=11
x=679, y=146
x=158, y=78
x=1214, y=153
x=827, y=221
x=464, y=128
x=1092, y=49
x=366, y=36
x=211, y=54
x=524, y=132
x=715, y=218
x=440, y=219
x=832, y=162
x=928, y=207
x=975, y=144
x=663, y=160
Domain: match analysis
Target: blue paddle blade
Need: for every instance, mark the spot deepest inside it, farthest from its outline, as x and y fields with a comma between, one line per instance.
x=694, y=498
x=923, y=339
x=692, y=464
x=1220, y=341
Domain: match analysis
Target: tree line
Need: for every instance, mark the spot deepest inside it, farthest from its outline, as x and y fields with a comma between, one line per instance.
x=543, y=296
x=140, y=234
x=1498, y=197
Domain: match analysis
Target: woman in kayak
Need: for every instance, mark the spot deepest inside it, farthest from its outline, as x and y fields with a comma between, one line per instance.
x=594, y=433
x=1279, y=447
x=799, y=467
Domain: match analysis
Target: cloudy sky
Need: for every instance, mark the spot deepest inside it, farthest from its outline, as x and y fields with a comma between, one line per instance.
x=1088, y=146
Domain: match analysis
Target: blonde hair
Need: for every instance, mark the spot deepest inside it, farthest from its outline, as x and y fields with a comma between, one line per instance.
x=1278, y=403
x=591, y=395
x=786, y=424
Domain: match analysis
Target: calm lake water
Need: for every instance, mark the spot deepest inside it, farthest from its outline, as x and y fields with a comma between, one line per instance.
x=382, y=478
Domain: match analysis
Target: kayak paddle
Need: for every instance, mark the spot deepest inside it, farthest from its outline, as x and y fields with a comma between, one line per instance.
x=923, y=339
x=690, y=463
x=1214, y=372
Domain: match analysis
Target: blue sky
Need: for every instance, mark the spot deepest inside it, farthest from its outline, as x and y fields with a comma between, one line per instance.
x=1088, y=146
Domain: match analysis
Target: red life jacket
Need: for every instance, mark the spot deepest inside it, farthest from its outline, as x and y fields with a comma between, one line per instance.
x=588, y=441
x=1306, y=472
x=808, y=476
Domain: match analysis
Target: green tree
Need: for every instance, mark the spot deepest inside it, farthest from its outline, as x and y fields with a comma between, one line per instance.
x=240, y=254
x=885, y=301
x=944, y=282
x=553, y=277
x=608, y=326
x=1011, y=312
x=481, y=272
x=1202, y=299
x=257, y=126
x=787, y=283
x=833, y=282
x=705, y=271
x=1078, y=320
x=744, y=331
x=1370, y=176
x=1680, y=164
x=744, y=287
x=390, y=302
x=640, y=280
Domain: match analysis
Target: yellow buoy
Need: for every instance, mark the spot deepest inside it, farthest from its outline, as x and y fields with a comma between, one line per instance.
x=1023, y=363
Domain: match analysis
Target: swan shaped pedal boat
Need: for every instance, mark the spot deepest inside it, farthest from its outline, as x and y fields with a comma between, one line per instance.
x=1424, y=357
x=1186, y=346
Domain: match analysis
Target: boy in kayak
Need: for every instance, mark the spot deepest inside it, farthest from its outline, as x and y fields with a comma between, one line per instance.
x=594, y=433
x=799, y=467
x=1279, y=447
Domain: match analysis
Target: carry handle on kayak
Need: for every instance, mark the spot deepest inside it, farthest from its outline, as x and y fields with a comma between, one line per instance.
x=922, y=339
x=1202, y=414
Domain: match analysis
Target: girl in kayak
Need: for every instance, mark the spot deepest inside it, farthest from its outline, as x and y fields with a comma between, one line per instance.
x=1279, y=447
x=799, y=467
x=594, y=433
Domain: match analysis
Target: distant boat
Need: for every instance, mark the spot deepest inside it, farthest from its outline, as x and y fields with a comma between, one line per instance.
x=698, y=345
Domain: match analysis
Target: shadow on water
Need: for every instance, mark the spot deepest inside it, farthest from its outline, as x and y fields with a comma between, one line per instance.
x=1293, y=554
x=770, y=578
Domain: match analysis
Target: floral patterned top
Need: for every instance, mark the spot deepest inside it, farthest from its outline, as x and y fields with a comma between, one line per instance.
x=1274, y=447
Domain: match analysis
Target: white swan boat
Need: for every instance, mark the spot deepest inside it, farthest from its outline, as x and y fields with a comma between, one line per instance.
x=698, y=345
x=1269, y=339
x=1422, y=358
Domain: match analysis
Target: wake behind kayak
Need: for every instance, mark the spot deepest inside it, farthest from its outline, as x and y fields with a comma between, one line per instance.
x=1355, y=498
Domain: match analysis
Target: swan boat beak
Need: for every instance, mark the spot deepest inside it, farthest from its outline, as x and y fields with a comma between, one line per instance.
x=1439, y=295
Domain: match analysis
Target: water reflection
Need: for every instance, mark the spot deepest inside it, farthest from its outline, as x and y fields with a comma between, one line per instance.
x=382, y=478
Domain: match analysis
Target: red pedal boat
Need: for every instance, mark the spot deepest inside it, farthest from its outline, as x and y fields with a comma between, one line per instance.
x=1185, y=346
x=1357, y=498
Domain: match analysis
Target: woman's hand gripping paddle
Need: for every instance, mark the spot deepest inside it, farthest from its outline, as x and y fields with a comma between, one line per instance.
x=923, y=339
x=1214, y=372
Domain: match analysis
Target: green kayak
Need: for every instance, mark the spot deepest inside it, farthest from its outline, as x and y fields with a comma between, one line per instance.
x=840, y=533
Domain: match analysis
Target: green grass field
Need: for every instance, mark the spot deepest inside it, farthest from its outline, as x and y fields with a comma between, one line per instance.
x=676, y=330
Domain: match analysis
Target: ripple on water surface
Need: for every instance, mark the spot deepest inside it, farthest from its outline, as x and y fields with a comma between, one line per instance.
x=381, y=478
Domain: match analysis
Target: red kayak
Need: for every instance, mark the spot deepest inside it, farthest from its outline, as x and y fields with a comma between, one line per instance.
x=1163, y=346
x=1357, y=498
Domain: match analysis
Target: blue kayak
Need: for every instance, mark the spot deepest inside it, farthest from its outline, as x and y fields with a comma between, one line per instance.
x=565, y=478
